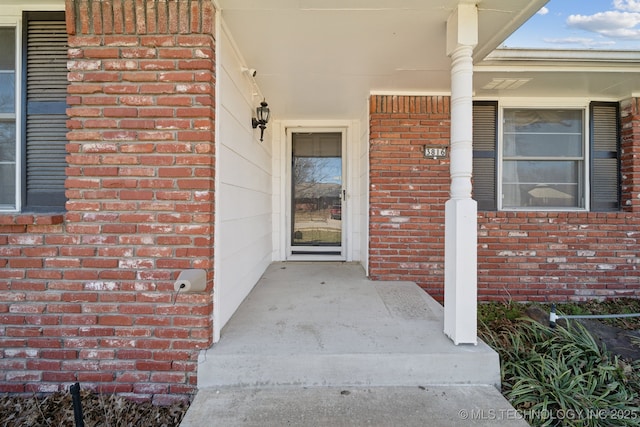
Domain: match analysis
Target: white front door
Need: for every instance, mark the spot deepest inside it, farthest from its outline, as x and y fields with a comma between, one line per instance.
x=317, y=195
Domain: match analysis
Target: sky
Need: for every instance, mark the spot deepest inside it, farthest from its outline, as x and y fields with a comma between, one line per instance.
x=581, y=24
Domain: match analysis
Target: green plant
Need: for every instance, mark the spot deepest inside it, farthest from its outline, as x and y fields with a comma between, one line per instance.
x=561, y=377
x=498, y=312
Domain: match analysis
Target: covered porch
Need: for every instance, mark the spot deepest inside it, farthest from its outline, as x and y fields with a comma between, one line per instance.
x=310, y=331
x=318, y=65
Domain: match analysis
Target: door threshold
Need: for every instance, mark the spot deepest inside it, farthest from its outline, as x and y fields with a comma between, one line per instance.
x=315, y=257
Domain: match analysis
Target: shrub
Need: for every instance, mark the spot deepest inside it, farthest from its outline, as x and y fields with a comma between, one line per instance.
x=558, y=377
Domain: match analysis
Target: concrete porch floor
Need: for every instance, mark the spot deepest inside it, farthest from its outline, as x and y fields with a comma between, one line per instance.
x=319, y=344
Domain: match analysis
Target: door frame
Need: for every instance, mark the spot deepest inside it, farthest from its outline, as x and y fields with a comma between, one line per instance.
x=319, y=256
x=282, y=188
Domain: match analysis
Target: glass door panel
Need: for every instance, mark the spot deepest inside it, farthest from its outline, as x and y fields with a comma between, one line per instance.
x=316, y=171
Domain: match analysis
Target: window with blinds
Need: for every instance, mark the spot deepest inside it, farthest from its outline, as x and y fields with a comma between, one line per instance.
x=554, y=139
x=44, y=42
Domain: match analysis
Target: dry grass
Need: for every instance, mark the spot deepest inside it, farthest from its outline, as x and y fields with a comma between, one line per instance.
x=56, y=410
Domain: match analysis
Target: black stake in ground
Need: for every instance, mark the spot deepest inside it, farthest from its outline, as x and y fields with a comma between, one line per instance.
x=77, y=404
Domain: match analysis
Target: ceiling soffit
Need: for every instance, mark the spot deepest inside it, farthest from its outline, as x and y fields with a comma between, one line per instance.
x=320, y=59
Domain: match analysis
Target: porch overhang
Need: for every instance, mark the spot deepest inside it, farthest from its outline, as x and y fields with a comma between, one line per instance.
x=319, y=59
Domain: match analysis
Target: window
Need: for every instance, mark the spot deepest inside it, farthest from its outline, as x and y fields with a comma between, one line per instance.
x=33, y=130
x=7, y=118
x=544, y=160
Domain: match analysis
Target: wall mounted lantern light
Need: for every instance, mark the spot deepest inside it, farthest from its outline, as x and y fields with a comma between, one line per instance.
x=262, y=113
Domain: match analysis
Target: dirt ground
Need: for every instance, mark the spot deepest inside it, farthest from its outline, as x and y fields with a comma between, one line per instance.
x=98, y=411
x=620, y=336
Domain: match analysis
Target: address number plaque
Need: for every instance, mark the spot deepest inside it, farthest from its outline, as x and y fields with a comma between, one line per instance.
x=435, y=151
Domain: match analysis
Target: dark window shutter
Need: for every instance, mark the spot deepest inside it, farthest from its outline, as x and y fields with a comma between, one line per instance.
x=44, y=128
x=605, y=156
x=485, y=125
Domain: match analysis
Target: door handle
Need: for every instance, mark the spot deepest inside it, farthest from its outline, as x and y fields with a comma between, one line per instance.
x=344, y=194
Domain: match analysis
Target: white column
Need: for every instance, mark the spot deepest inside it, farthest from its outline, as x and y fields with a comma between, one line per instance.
x=461, y=222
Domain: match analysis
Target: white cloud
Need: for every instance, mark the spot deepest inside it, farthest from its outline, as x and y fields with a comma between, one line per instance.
x=543, y=11
x=612, y=24
x=628, y=5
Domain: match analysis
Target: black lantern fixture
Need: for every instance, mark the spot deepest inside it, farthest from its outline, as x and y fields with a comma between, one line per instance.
x=262, y=113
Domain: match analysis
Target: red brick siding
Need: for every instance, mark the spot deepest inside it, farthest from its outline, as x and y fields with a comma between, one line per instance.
x=630, y=158
x=558, y=256
x=545, y=256
x=407, y=191
x=88, y=296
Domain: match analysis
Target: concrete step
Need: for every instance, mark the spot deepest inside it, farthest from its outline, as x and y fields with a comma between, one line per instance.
x=321, y=325
x=317, y=344
x=352, y=406
x=393, y=369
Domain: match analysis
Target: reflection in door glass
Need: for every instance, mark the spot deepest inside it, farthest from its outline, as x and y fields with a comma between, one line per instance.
x=317, y=189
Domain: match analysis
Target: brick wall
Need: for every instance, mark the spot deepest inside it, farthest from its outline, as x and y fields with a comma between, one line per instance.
x=558, y=256
x=407, y=191
x=88, y=296
x=630, y=159
x=544, y=256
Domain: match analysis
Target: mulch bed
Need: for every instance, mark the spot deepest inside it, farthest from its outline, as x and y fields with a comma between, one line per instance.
x=98, y=411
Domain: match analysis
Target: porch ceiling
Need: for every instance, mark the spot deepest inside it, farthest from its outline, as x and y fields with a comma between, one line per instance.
x=320, y=59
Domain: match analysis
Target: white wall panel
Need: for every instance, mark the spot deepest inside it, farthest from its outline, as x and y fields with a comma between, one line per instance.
x=241, y=203
x=243, y=187
x=363, y=193
x=278, y=217
x=237, y=171
x=11, y=10
x=237, y=270
x=241, y=234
